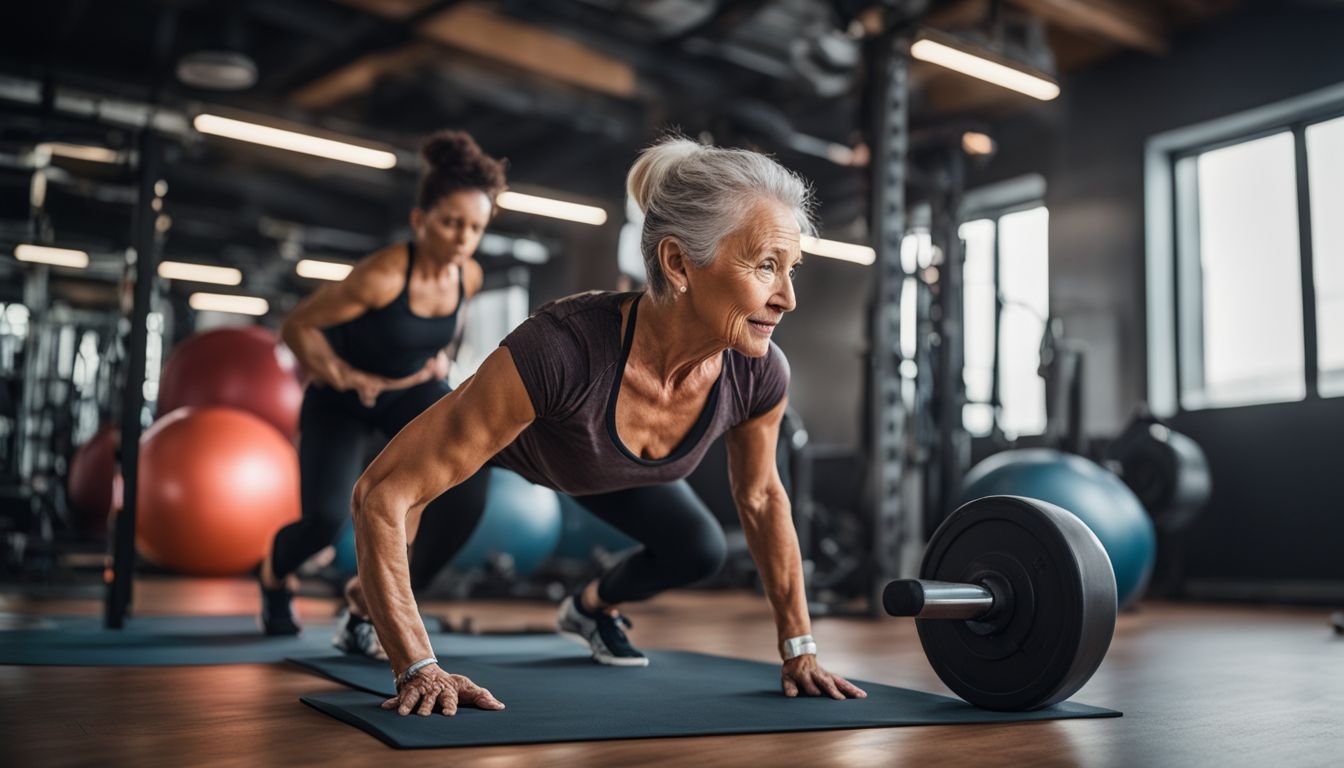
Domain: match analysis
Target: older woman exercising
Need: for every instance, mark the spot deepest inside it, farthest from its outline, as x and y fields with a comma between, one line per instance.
x=614, y=398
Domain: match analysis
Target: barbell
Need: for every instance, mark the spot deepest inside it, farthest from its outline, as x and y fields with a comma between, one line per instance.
x=1015, y=605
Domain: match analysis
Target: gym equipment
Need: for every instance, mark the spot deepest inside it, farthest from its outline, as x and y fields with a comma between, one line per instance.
x=1094, y=495
x=1015, y=605
x=1166, y=470
x=520, y=526
x=552, y=689
x=215, y=486
x=243, y=368
x=89, y=484
x=583, y=534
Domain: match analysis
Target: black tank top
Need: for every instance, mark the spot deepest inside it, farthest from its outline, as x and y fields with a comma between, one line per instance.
x=393, y=341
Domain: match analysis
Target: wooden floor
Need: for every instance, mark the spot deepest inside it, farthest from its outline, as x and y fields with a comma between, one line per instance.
x=1199, y=685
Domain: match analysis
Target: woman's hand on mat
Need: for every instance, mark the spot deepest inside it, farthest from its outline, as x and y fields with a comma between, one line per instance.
x=434, y=688
x=802, y=674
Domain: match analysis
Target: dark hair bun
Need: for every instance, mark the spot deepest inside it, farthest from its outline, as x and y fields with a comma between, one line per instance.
x=455, y=161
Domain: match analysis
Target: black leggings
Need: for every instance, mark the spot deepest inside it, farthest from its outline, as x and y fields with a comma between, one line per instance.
x=682, y=542
x=337, y=438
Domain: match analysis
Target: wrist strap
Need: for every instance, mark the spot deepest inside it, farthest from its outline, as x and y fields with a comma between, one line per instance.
x=802, y=645
x=413, y=670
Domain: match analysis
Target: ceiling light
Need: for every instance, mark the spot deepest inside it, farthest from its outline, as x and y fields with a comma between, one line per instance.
x=225, y=302
x=217, y=70
x=199, y=273
x=59, y=257
x=977, y=143
x=80, y=152
x=294, y=141
x=322, y=270
x=556, y=209
x=834, y=249
x=951, y=54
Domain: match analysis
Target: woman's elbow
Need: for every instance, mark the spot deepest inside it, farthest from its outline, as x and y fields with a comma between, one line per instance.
x=372, y=500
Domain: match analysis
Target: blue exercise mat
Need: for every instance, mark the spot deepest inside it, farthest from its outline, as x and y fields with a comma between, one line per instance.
x=553, y=692
x=153, y=641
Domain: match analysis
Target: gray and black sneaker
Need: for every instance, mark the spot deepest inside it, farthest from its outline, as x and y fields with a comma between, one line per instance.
x=355, y=635
x=601, y=633
x=277, y=612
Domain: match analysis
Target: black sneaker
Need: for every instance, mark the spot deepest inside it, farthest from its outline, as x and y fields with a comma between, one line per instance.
x=277, y=612
x=355, y=635
x=601, y=633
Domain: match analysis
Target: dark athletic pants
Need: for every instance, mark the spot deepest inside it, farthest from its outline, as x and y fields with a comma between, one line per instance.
x=682, y=542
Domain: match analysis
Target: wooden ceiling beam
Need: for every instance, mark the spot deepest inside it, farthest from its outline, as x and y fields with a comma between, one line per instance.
x=1130, y=24
x=474, y=28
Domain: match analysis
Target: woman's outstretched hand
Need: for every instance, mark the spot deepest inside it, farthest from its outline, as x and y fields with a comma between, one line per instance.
x=434, y=688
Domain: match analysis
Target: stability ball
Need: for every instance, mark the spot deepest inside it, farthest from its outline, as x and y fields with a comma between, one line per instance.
x=582, y=533
x=243, y=368
x=1094, y=495
x=521, y=520
x=215, y=486
x=89, y=484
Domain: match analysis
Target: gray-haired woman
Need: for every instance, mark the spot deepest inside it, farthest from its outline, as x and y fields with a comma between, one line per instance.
x=614, y=398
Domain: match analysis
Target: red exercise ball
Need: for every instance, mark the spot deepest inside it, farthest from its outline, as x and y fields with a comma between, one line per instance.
x=215, y=486
x=89, y=484
x=242, y=368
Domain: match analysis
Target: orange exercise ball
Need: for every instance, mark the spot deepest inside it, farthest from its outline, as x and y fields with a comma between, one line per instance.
x=89, y=484
x=243, y=368
x=215, y=486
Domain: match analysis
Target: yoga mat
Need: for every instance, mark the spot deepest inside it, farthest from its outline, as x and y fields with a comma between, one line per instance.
x=153, y=641
x=553, y=692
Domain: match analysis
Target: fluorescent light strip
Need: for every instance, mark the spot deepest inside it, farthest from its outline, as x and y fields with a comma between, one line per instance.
x=322, y=270
x=834, y=249
x=293, y=141
x=556, y=209
x=199, y=273
x=58, y=257
x=983, y=69
x=225, y=302
x=81, y=152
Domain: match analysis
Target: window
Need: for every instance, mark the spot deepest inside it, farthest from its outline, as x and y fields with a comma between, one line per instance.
x=1006, y=302
x=1245, y=257
x=1325, y=171
x=1242, y=333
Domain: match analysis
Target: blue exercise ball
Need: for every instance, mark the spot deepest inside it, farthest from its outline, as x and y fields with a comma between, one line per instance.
x=521, y=520
x=582, y=533
x=1094, y=495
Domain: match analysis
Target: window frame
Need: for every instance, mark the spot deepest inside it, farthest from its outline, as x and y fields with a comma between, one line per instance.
x=1174, y=293
x=985, y=204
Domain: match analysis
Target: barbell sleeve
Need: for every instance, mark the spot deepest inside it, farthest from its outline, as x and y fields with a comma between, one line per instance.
x=936, y=599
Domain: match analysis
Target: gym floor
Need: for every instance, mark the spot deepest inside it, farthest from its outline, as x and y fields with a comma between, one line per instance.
x=1198, y=685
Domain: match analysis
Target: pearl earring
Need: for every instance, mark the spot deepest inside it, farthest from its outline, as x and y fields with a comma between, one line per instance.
x=683, y=289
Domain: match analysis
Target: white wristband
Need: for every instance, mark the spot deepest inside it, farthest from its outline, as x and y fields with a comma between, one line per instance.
x=802, y=645
x=413, y=670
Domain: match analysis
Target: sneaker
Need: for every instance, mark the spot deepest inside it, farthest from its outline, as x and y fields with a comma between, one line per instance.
x=355, y=635
x=601, y=633
x=277, y=612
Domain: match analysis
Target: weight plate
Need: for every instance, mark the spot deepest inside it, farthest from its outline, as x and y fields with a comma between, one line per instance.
x=1063, y=612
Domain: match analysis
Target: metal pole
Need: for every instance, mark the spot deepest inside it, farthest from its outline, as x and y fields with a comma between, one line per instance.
x=937, y=599
x=145, y=241
x=888, y=62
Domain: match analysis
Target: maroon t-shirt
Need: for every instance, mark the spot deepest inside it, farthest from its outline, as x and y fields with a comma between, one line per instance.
x=571, y=356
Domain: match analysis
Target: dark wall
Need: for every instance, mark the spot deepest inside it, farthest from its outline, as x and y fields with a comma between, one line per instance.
x=1275, y=507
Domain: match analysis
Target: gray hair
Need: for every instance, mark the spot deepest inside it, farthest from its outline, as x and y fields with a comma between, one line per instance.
x=698, y=195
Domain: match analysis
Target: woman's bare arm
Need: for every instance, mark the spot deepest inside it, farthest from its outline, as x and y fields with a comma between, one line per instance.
x=374, y=282
x=440, y=448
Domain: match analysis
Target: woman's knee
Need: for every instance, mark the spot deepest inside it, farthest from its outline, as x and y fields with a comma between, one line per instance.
x=704, y=555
